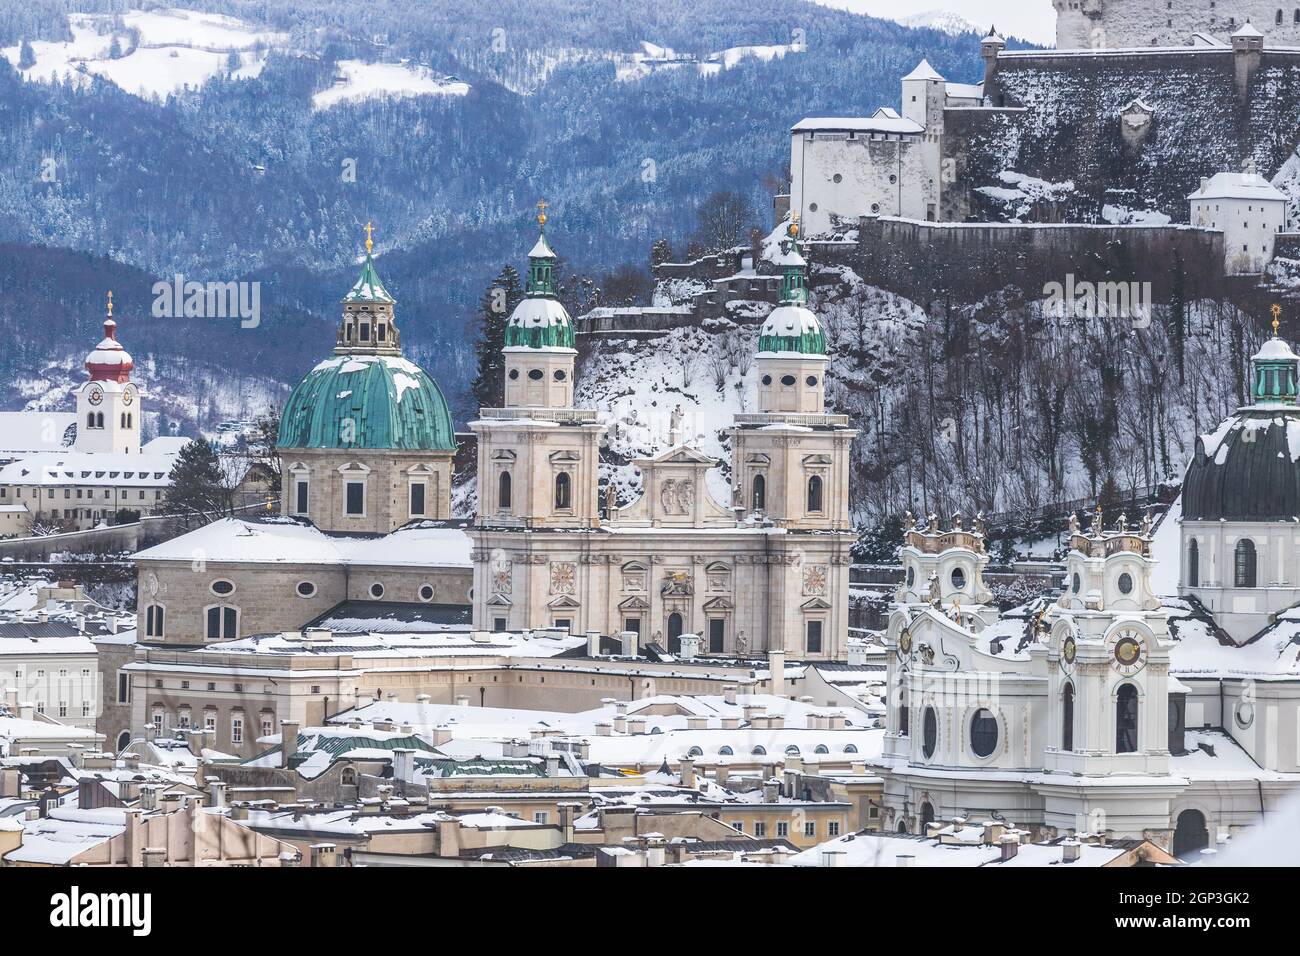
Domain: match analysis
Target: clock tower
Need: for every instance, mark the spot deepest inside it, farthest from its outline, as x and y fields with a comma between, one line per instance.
x=108, y=405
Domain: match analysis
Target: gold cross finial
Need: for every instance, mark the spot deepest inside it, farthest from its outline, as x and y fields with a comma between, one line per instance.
x=542, y=206
x=370, y=237
x=794, y=225
x=1277, y=315
x=110, y=303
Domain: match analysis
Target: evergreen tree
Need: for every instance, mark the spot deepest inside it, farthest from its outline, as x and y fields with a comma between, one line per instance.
x=494, y=309
x=26, y=56
x=199, y=492
x=660, y=252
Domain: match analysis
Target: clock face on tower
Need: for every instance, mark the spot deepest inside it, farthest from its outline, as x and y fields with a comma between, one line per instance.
x=1069, y=650
x=96, y=395
x=905, y=644
x=128, y=397
x=1130, y=653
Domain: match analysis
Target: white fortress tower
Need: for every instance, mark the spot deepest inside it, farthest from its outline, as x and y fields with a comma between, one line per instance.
x=108, y=406
x=1119, y=24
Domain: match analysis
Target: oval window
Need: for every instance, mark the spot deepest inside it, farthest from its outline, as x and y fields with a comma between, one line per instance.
x=911, y=576
x=306, y=589
x=787, y=380
x=767, y=380
x=514, y=374
x=222, y=587
x=1077, y=583
x=1126, y=583
x=958, y=578
x=560, y=375
x=983, y=733
x=535, y=374
x=930, y=733
x=426, y=592
x=812, y=207
x=376, y=590
x=811, y=381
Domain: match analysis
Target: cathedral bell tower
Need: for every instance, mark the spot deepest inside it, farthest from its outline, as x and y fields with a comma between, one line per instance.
x=108, y=406
x=539, y=350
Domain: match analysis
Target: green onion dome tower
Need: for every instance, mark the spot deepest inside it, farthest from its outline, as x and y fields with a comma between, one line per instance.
x=366, y=439
x=539, y=343
x=791, y=359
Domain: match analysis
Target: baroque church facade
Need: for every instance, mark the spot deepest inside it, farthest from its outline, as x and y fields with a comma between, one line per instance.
x=765, y=570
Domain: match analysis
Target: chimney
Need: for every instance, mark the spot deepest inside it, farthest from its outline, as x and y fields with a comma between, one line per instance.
x=216, y=792
x=149, y=796
x=1071, y=851
x=154, y=856
x=686, y=767
x=636, y=725
x=11, y=699
x=133, y=837
x=1010, y=844
x=449, y=837
x=10, y=782
x=593, y=643
x=721, y=775
x=833, y=858
x=288, y=742
x=620, y=724
x=729, y=693
x=697, y=723
x=462, y=700
x=604, y=729
x=771, y=790
x=442, y=735
x=993, y=831
x=776, y=664
x=324, y=855
x=404, y=765
x=568, y=812
x=27, y=710
x=631, y=642
x=904, y=860
x=552, y=765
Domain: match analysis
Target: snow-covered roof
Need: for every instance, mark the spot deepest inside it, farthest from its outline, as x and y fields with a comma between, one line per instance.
x=1239, y=186
x=539, y=312
x=149, y=469
x=1248, y=30
x=232, y=540
x=59, y=837
x=416, y=644
x=883, y=120
x=923, y=71
x=1274, y=350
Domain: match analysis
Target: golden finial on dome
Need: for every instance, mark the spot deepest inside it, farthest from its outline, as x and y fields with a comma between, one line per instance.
x=542, y=206
x=1277, y=314
x=793, y=231
x=110, y=303
x=370, y=238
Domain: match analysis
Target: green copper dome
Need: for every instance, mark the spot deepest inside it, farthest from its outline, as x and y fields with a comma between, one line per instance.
x=540, y=321
x=367, y=401
x=792, y=326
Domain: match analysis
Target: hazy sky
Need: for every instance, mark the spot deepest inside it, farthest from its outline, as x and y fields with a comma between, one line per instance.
x=1031, y=19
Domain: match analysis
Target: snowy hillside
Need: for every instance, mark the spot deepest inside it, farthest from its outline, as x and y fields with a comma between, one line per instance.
x=361, y=81
x=945, y=21
x=150, y=54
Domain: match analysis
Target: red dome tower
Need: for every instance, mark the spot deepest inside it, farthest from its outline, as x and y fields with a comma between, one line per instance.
x=110, y=362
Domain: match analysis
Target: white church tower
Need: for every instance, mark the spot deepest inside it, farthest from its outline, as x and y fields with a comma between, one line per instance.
x=108, y=406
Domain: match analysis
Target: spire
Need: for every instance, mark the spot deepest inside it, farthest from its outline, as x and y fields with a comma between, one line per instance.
x=541, y=259
x=109, y=362
x=368, y=287
x=1274, y=369
x=793, y=276
x=791, y=326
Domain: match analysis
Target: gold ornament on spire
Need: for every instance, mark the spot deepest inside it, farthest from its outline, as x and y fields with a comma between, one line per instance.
x=793, y=231
x=370, y=238
x=1277, y=315
x=110, y=303
x=542, y=206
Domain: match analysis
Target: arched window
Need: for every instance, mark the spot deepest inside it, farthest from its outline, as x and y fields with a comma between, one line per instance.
x=503, y=491
x=725, y=751
x=1245, y=563
x=927, y=816
x=902, y=718
x=760, y=493
x=1126, y=720
x=1297, y=15
x=815, y=493
x=123, y=740
x=1067, y=717
x=983, y=733
x=850, y=748
x=759, y=751
x=563, y=491
x=222, y=622
x=99, y=419
x=695, y=752
x=1190, y=833
x=1279, y=18
x=792, y=750
x=1193, y=564
x=821, y=749
x=675, y=625
x=929, y=733
x=153, y=620
x=90, y=419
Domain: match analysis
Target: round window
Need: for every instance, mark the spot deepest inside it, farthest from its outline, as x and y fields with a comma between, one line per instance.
x=559, y=375
x=983, y=733
x=222, y=587
x=535, y=374
x=767, y=380
x=875, y=207
x=812, y=207
x=958, y=578
x=376, y=590
x=893, y=178
x=426, y=592
x=1244, y=714
x=930, y=733
x=306, y=589
x=1126, y=583
x=787, y=380
x=838, y=178
x=1076, y=584
x=514, y=374
x=811, y=381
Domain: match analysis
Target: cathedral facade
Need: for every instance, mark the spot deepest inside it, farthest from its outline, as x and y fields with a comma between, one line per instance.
x=766, y=569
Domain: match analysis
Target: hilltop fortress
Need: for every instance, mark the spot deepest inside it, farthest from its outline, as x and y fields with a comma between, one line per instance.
x=1098, y=24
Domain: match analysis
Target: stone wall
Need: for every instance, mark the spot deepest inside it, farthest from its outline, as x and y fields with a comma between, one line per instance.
x=1085, y=24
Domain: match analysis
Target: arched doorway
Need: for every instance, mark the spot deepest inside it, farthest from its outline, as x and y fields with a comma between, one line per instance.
x=1190, y=834
x=674, y=633
x=927, y=817
x=1126, y=720
x=123, y=740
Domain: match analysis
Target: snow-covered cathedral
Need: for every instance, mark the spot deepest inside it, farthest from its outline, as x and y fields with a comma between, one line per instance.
x=1112, y=709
